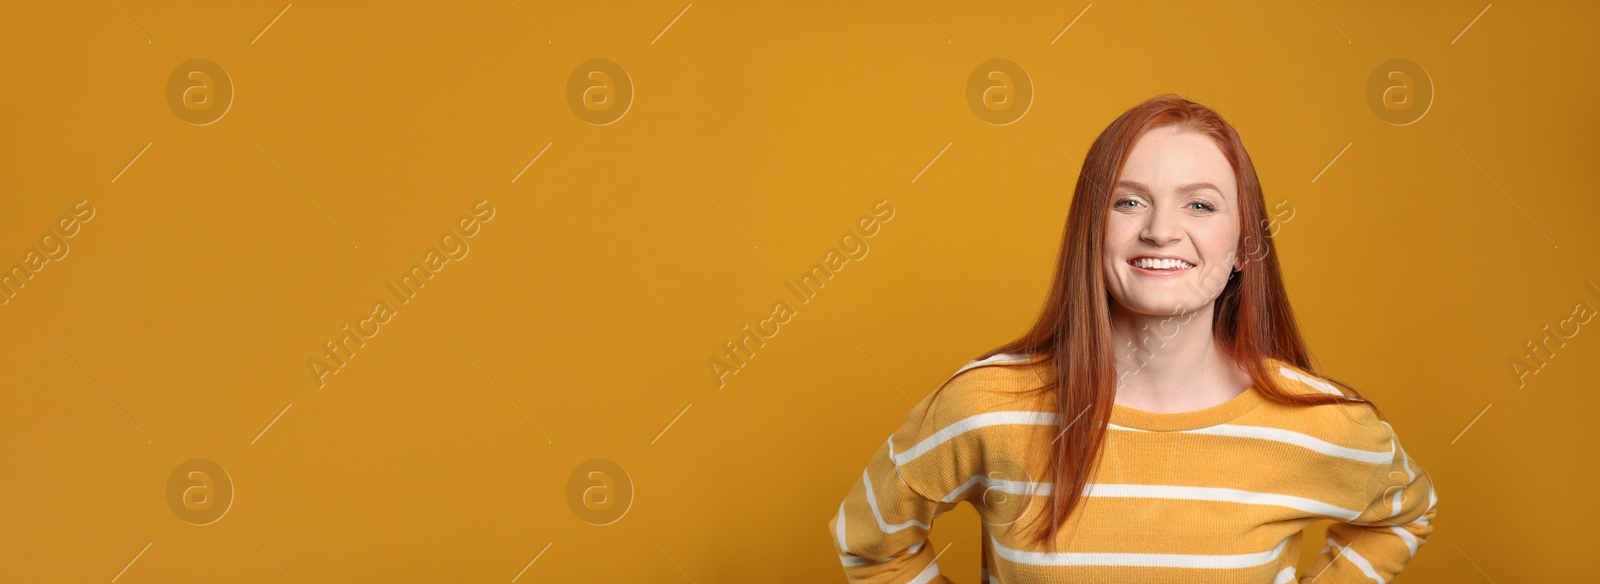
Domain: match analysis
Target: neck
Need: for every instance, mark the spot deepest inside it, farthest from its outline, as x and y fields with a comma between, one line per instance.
x=1171, y=363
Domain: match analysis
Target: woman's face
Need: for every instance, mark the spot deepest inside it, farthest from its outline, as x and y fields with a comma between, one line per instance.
x=1172, y=232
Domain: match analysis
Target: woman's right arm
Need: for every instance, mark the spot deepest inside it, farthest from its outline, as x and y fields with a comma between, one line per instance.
x=936, y=459
x=881, y=528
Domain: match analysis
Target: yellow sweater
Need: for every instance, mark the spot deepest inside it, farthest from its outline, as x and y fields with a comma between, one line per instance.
x=1216, y=495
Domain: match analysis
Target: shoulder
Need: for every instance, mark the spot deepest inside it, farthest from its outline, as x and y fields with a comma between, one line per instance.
x=974, y=422
x=1005, y=381
x=1300, y=380
x=1355, y=423
x=980, y=397
x=1001, y=372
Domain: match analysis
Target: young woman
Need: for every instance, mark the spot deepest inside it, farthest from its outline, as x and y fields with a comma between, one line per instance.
x=1162, y=420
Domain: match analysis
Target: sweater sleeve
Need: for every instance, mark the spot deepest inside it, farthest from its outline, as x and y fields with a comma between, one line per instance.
x=925, y=468
x=881, y=528
x=1375, y=546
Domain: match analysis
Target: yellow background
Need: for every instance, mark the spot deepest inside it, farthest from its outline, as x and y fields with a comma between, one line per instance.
x=1420, y=262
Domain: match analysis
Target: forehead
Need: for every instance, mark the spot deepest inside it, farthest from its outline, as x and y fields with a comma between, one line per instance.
x=1166, y=158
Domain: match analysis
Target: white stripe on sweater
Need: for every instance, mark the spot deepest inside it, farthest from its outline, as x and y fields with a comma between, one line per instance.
x=996, y=359
x=1223, y=561
x=1281, y=435
x=1218, y=494
x=1361, y=563
x=1406, y=536
x=839, y=532
x=872, y=501
x=1315, y=383
x=927, y=575
x=1285, y=576
x=969, y=424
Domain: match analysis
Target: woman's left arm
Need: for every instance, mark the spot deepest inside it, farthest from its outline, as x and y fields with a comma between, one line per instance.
x=1376, y=545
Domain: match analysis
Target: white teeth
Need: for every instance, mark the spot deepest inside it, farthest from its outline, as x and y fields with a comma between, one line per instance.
x=1162, y=264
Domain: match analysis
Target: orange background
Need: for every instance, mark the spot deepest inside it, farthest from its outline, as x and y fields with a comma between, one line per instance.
x=1421, y=260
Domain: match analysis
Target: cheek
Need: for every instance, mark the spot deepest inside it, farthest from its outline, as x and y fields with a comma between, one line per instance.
x=1118, y=238
x=1219, y=245
x=1111, y=250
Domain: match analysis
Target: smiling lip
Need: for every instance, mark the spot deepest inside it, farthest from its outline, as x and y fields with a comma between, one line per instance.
x=1157, y=272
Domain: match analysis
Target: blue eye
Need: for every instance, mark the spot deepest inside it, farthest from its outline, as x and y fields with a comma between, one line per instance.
x=1119, y=203
x=1204, y=206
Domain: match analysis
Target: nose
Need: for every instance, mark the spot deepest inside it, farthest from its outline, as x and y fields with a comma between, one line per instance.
x=1160, y=226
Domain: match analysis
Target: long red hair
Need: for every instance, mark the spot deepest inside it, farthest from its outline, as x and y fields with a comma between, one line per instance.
x=1252, y=320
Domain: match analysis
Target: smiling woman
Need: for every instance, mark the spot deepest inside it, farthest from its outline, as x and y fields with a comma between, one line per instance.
x=1156, y=209
x=1199, y=458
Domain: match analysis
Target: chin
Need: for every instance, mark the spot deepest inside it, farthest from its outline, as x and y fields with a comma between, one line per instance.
x=1162, y=310
x=1156, y=306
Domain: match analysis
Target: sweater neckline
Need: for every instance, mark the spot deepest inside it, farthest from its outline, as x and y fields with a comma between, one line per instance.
x=1227, y=411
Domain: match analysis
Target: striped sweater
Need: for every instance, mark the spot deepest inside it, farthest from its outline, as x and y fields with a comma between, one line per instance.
x=1220, y=494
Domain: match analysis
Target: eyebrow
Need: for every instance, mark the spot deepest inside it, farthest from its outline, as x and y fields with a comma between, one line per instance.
x=1183, y=189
